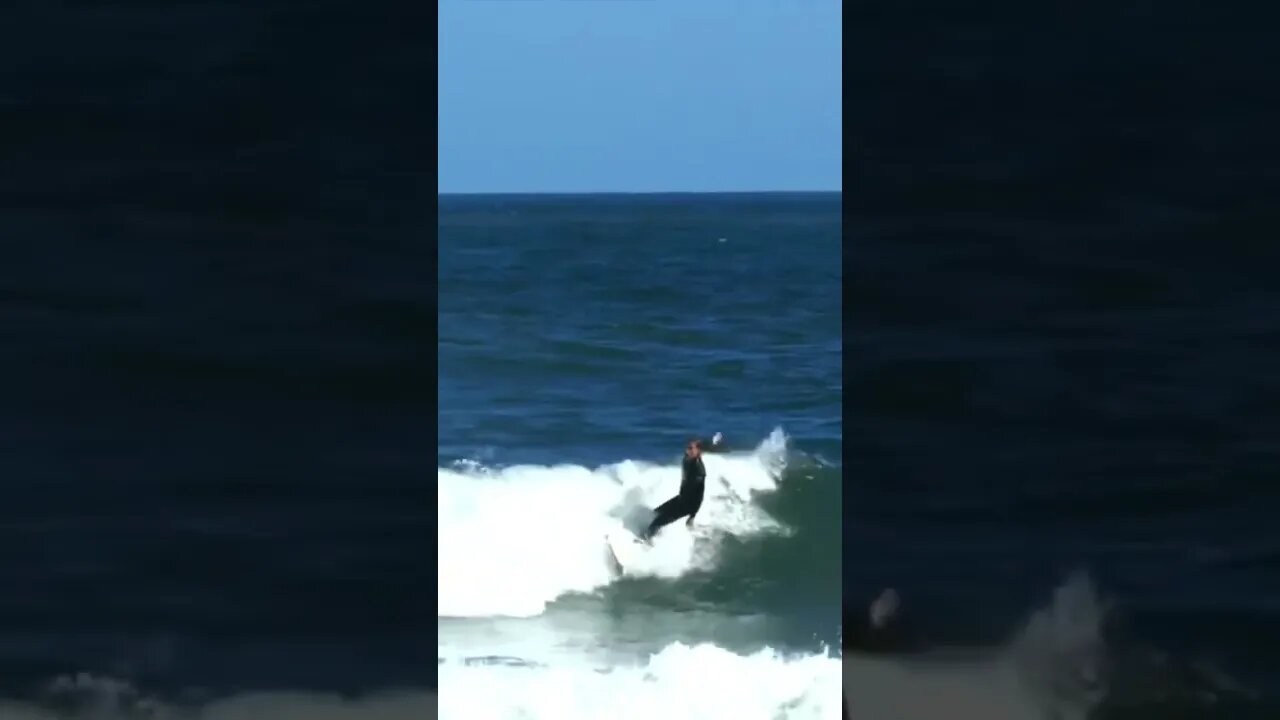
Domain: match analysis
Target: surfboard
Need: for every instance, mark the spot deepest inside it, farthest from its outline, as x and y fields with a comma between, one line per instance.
x=625, y=547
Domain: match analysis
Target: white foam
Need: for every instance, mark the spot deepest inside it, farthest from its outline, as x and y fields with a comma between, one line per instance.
x=513, y=539
x=701, y=681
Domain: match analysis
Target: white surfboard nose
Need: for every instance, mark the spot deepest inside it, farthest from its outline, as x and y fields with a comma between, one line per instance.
x=625, y=548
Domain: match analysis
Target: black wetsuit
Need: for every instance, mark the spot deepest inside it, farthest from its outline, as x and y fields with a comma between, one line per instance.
x=693, y=483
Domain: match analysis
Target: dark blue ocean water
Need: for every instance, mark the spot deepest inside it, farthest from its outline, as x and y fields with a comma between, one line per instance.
x=636, y=320
x=583, y=340
x=1061, y=344
x=216, y=318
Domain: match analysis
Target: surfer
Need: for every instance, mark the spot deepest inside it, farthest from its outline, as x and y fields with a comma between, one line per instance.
x=693, y=482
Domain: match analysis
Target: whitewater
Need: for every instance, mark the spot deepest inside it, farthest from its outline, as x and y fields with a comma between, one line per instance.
x=527, y=629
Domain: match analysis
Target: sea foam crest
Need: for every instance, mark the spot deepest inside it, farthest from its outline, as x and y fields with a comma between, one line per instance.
x=513, y=539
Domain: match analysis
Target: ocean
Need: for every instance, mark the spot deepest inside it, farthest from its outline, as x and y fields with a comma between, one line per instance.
x=583, y=341
x=1050, y=294
x=1061, y=462
x=217, y=311
x=1061, y=348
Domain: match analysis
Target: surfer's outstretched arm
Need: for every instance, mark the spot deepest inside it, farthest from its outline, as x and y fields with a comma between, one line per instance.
x=716, y=445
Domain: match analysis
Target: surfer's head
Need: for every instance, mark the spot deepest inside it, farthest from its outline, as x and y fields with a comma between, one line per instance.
x=693, y=448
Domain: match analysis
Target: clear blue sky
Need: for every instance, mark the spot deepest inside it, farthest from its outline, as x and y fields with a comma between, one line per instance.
x=639, y=95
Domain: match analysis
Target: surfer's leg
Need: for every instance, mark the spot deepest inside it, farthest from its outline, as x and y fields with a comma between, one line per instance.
x=667, y=513
x=661, y=516
x=693, y=505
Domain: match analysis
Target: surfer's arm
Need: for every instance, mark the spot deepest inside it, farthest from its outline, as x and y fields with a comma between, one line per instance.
x=715, y=445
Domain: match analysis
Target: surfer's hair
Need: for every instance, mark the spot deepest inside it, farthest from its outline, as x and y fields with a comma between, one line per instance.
x=696, y=443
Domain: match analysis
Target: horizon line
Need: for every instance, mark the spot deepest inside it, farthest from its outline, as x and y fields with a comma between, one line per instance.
x=636, y=192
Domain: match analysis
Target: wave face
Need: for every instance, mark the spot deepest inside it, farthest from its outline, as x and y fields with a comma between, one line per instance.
x=514, y=539
x=532, y=605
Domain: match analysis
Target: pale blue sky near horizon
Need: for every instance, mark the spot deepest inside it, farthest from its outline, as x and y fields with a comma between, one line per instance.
x=639, y=96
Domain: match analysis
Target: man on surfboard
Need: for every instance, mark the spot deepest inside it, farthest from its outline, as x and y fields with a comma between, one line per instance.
x=693, y=482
